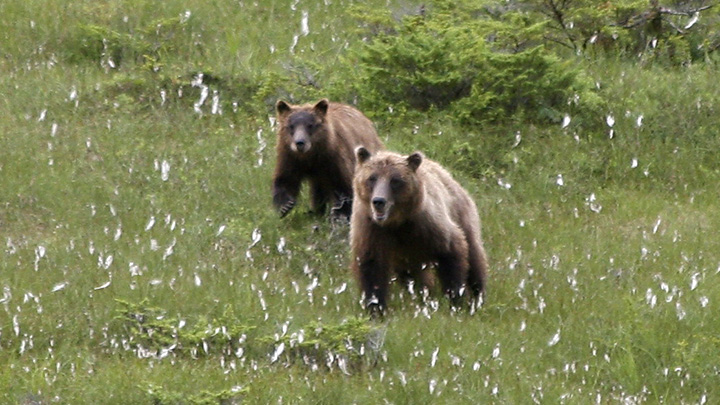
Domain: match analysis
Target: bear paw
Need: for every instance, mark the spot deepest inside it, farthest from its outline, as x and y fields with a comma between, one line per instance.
x=342, y=207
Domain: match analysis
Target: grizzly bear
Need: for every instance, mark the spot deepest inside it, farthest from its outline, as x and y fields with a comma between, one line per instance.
x=409, y=213
x=317, y=142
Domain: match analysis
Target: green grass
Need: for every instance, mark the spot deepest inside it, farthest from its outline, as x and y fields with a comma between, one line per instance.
x=604, y=302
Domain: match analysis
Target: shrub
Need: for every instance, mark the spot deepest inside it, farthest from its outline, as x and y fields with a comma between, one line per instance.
x=454, y=60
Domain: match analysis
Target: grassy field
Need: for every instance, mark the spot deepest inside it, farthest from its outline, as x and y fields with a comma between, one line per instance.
x=142, y=262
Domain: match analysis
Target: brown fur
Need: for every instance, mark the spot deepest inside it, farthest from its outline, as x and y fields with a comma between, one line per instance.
x=409, y=212
x=316, y=142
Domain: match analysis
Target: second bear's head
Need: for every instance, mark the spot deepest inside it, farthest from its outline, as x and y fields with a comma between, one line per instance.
x=302, y=127
x=388, y=185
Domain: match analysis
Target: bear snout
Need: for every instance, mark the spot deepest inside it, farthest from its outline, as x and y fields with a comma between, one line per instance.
x=300, y=145
x=379, y=203
x=381, y=208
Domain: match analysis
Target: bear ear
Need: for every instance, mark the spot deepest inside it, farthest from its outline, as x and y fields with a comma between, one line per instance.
x=414, y=160
x=321, y=107
x=362, y=154
x=282, y=108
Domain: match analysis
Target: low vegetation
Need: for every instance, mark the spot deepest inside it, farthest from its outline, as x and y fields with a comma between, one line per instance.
x=142, y=262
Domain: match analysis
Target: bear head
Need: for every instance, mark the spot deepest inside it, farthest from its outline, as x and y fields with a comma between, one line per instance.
x=302, y=127
x=387, y=185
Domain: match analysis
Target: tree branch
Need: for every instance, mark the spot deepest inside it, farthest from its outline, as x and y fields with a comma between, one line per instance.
x=678, y=29
x=656, y=10
x=556, y=12
x=665, y=10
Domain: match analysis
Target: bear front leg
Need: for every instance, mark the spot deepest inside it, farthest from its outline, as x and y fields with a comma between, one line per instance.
x=374, y=279
x=285, y=192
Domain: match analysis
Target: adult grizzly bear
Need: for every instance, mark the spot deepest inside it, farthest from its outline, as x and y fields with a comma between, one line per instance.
x=317, y=143
x=408, y=212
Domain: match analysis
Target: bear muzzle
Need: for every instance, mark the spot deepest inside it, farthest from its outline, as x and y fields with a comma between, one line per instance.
x=380, y=209
x=300, y=141
x=379, y=203
x=300, y=146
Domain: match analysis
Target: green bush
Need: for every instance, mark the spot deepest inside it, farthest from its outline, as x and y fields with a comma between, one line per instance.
x=531, y=82
x=421, y=66
x=447, y=60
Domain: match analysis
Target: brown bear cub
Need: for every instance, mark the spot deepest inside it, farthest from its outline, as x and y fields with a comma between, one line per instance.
x=317, y=142
x=408, y=212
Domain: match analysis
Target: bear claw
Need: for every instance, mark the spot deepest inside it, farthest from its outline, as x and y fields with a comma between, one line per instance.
x=285, y=209
x=342, y=207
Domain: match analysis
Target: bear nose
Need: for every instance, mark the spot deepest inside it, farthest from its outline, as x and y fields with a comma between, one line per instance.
x=378, y=203
x=300, y=145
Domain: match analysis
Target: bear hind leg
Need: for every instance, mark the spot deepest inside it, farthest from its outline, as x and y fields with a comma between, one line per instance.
x=416, y=280
x=477, y=270
x=318, y=197
x=451, y=270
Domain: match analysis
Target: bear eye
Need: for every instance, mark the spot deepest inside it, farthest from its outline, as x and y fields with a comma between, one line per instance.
x=291, y=127
x=371, y=180
x=397, y=183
